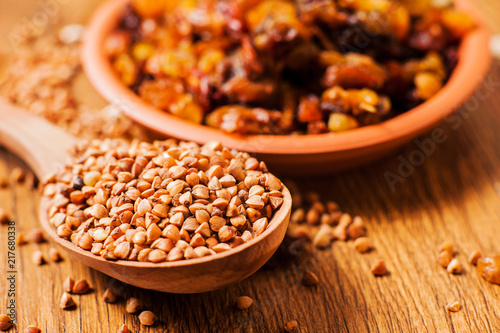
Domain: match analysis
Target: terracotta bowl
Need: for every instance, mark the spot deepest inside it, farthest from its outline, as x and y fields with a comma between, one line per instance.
x=294, y=154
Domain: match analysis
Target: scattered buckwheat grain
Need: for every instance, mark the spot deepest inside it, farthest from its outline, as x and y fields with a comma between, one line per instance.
x=454, y=267
x=312, y=216
x=444, y=258
x=21, y=239
x=4, y=182
x=147, y=318
x=37, y=258
x=446, y=246
x=36, y=236
x=41, y=80
x=81, y=287
x=109, y=296
x=17, y=175
x=133, y=305
x=32, y=329
x=454, y=306
x=5, y=322
x=298, y=216
x=68, y=284
x=378, y=268
x=334, y=224
x=123, y=329
x=4, y=217
x=291, y=326
x=243, y=302
x=54, y=255
x=474, y=257
x=309, y=278
x=362, y=244
x=489, y=267
x=71, y=33
x=356, y=229
x=66, y=301
x=324, y=236
x=340, y=231
x=495, y=46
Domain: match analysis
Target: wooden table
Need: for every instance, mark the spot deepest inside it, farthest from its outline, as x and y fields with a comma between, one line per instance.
x=453, y=196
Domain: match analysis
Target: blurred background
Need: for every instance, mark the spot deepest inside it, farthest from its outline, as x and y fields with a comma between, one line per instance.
x=15, y=14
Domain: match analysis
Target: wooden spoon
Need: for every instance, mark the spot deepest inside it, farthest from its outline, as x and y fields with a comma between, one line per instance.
x=43, y=146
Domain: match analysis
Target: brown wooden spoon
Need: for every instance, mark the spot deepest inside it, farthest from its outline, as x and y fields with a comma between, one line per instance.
x=43, y=146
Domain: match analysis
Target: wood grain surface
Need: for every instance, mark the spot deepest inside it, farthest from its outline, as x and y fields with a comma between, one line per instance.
x=453, y=195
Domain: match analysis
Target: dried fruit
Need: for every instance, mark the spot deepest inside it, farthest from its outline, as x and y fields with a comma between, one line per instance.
x=309, y=278
x=339, y=122
x=243, y=302
x=305, y=62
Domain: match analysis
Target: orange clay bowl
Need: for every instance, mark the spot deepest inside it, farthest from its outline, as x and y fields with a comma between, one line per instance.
x=294, y=154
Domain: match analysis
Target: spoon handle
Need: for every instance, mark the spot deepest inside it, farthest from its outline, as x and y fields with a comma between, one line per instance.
x=40, y=144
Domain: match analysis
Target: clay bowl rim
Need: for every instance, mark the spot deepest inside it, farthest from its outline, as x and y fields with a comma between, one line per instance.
x=474, y=62
x=282, y=215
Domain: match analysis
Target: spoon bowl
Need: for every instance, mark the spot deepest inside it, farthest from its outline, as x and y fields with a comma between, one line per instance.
x=43, y=147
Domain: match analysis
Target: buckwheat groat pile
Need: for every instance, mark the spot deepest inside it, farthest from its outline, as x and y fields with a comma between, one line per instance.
x=163, y=201
x=45, y=79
